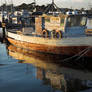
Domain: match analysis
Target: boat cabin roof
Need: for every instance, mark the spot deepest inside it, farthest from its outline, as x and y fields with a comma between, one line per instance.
x=65, y=15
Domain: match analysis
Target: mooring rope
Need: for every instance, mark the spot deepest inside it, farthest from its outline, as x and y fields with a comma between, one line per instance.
x=82, y=53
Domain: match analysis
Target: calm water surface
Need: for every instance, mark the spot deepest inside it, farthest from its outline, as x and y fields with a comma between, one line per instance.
x=26, y=71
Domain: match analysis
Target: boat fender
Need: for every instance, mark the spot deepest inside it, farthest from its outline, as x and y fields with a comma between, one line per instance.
x=58, y=34
x=45, y=33
x=0, y=24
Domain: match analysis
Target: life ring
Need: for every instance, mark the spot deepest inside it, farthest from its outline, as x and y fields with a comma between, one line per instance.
x=45, y=33
x=58, y=34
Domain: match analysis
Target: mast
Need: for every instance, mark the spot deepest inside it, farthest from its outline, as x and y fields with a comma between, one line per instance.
x=12, y=10
x=34, y=5
x=34, y=2
x=2, y=10
x=2, y=6
x=52, y=1
x=52, y=7
x=6, y=8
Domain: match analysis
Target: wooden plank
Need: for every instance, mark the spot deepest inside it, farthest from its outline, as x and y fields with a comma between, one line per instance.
x=62, y=50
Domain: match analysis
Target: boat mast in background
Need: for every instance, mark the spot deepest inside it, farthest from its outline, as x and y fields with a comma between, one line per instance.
x=53, y=8
x=12, y=8
x=35, y=2
x=34, y=6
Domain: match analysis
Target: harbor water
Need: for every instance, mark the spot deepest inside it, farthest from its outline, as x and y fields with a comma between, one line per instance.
x=27, y=71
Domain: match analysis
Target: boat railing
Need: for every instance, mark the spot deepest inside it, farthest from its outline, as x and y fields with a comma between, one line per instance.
x=13, y=26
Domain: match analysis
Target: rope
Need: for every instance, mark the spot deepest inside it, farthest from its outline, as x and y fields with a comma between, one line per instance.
x=82, y=53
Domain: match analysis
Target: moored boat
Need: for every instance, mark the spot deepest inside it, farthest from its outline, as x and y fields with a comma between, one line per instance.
x=63, y=34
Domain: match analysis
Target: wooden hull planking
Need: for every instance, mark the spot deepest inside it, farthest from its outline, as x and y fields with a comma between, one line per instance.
x=61, y=50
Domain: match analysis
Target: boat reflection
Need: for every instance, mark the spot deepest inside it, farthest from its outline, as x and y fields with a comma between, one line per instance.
x=57, y=76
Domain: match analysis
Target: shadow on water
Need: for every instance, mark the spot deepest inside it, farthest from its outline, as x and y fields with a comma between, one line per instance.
x=64, y=76
x=2, y=38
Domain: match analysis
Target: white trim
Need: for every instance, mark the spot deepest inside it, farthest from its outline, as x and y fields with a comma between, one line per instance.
x=81, y=41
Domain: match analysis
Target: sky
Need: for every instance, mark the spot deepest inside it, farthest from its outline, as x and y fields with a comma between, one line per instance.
x=60, y=3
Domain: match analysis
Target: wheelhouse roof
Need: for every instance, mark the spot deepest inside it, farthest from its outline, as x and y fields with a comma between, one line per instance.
x=64, y=15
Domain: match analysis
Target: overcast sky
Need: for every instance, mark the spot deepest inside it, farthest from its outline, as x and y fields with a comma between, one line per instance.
x=59, y=3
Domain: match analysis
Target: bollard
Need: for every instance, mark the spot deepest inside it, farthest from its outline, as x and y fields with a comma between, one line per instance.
x=3, y=29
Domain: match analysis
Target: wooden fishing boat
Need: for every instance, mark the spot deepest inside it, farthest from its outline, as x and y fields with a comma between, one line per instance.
x=63, y=35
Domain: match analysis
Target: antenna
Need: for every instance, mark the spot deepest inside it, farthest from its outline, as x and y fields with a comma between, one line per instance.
x=12, y=8
x=35, y=2
x=52, y=1
x=4, y=5
x=52, y=7
x=6, y=8
x=1, y=5
x=2, y=11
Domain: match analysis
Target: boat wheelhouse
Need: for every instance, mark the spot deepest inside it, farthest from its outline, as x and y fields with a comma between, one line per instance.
x=68, y=25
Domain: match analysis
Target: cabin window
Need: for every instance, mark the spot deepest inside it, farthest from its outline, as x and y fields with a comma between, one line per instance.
x=83, y=21
x=62, y=22
x=47, y=19
x=76, y=21
x=89, y=23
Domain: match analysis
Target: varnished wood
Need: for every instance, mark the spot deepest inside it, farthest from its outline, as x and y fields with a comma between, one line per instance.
x=62, y=50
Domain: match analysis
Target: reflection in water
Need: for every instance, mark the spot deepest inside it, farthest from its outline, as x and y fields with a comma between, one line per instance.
x=57, y=76
x=1, y=35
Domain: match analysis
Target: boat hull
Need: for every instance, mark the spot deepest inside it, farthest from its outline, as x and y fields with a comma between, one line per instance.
x=61, y=50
